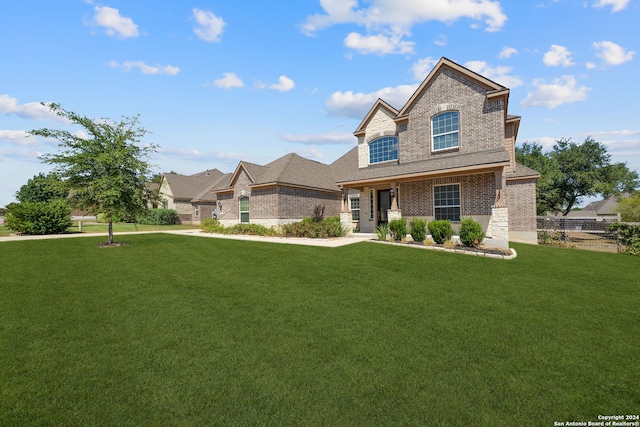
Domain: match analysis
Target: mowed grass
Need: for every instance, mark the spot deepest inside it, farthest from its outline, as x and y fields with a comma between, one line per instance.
x=94, y=227
x=179, y=330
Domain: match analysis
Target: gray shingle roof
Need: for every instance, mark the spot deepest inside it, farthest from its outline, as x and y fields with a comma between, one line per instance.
x=456, y=161
x=185, y=187
x=522, y=171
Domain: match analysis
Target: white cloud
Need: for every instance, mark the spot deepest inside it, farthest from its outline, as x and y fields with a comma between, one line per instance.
x=146, y=69
x=507, y=52
x=612, y=54
x=230, y=80
x=498, y=74
x=113, y=23
x=309, y=153
x=563, y=90
x=285, y=84
x=613, y=133
x=441, y=40
x=19, y=137
x=590, y=65
x=209, y=27
x=356, y=105
x=197, y=155
x=557, y=56
x=616, y=5
x=379, y=44
x=402, y=15
x=421, y=68
x=333, y=138
x=30, y=110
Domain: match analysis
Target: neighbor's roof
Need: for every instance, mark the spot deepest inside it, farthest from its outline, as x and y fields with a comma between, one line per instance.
x=185, y=187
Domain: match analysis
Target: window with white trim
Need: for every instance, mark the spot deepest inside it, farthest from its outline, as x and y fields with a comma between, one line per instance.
x=244, y=209
x=445, y=130
x=383, y=149
x=355, y=209
x=446, y=202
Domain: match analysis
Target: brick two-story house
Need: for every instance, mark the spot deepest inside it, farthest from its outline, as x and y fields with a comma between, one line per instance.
x=448, y=153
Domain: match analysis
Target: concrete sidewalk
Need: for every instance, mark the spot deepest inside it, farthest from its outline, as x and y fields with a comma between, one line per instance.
x=329, y=243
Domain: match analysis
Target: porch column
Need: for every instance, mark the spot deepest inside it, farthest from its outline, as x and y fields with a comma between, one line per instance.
x=345, y=200
x=498, y=229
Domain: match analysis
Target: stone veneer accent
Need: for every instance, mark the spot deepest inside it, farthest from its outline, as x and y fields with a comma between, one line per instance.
x=498, y=228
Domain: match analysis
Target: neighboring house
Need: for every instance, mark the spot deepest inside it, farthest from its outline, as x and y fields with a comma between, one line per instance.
x=600, y=209
x=187, y=194
x=283, y=191
x=448, y=153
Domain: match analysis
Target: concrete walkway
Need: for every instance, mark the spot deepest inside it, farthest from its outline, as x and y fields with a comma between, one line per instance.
x=329, y=243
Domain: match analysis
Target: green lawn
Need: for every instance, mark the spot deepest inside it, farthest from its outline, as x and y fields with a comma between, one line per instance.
x=94, y=227
x=199, y=331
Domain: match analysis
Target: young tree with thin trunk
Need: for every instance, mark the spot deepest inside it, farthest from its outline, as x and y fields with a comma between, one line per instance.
x=107, y=170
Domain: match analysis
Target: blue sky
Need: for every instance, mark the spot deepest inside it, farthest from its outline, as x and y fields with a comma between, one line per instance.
x=216, y=82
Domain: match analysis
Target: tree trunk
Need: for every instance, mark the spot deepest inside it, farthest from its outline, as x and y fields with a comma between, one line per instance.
x=110, y=231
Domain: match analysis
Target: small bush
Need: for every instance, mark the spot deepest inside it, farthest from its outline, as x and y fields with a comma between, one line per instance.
x=398, y=228
x=51, y=217
x=471, y=233
x=428, y=241
x=629, y=237
x=440, y=230
x=382, y=231
x=211, y=225
x=158, y=217
x=328, y=227
x=249, y=229
x=418, y=229
x=318, y=213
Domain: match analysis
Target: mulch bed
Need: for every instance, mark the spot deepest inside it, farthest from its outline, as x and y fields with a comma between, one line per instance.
x=479, y=249
x=112, y=245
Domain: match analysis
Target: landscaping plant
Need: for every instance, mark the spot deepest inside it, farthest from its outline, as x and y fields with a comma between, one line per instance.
x=471, y=233
x=159, y=217
x=51, y=217
x=440, y=230
x=418, y=229
x=382, y=231
x=398, y=229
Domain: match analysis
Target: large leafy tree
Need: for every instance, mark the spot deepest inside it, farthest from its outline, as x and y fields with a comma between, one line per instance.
x=629, y=208
x=42, y=188
x=571, y=171
x=106, y=170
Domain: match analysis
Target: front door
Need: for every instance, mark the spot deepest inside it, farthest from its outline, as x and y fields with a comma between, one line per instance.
x=384, y=204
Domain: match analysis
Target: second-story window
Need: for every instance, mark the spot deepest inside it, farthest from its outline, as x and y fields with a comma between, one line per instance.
x=445, y=130
x=383, y=149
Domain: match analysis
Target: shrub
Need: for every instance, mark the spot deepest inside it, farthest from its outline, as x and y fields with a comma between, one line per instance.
x=211, y=225
x=51, y=217
x=418, y=229
x=382, y=231
x=318, y=213
x=158, y=217
x=398, y=228
x=628, y=236
x=440, y=230
x=328, y=227
x=471, y=233
x=249, y=229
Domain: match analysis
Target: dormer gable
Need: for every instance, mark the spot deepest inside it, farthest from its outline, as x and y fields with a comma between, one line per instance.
x=379, y=106
x=491, y=88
